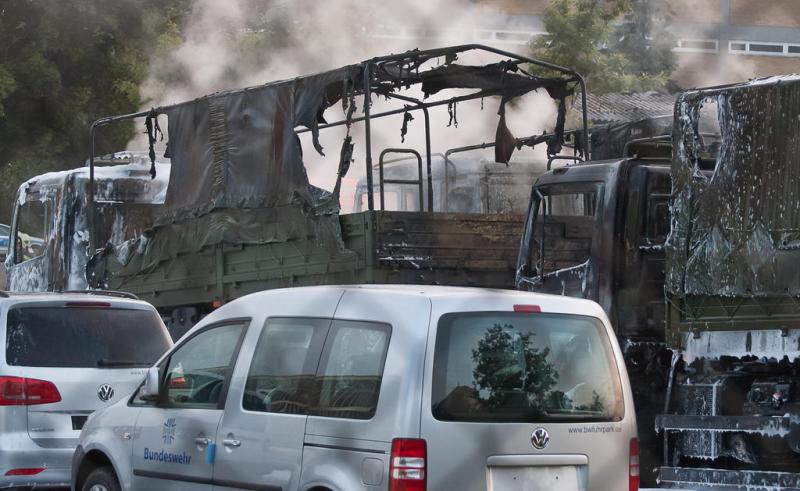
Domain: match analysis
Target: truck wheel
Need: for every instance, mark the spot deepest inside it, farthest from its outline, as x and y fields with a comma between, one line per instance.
x=101, y=479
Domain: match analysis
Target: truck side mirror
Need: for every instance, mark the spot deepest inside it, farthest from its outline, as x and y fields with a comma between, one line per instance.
x=151, y=388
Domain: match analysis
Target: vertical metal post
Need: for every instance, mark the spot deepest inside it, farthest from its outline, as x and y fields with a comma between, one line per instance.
x=585, y=111
x=428, y=157
x=424, y=108
x=381, y=181
x=92, y=238
x=367, y=137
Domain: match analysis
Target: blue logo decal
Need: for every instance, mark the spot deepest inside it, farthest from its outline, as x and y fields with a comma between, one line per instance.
x=168, y=434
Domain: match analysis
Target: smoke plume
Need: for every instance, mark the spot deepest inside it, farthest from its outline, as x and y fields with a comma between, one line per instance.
x=241, y=43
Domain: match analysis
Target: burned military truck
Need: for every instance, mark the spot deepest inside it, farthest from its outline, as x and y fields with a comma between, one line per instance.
x=239, y=214
x=48, y=249
x=596, y=230
x=732, y=415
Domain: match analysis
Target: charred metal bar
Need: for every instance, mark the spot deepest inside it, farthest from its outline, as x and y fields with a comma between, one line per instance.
x=562, y=157
x=407, y=109
x=725, y=424
x=652, y=139
x=543, y=203
x=401, y=181
x=729, y=479
x=427, y=143
x=367, y=135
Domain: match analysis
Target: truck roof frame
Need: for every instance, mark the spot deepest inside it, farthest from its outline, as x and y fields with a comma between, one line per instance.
x=376, y=82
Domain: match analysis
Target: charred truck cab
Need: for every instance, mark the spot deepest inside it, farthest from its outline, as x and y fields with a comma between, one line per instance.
x=596, y=230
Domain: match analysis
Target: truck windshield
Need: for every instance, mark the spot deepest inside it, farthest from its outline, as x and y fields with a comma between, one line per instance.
x=562, y=226
x=519, y=367
x=84, y=337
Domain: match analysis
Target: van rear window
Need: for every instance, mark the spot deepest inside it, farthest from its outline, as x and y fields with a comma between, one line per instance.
x=522, y=367
x=83, y=337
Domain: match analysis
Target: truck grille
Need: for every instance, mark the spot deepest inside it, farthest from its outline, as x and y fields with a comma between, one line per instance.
x=701, y=399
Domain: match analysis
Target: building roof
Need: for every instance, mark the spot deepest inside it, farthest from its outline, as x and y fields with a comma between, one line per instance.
x=621, y=107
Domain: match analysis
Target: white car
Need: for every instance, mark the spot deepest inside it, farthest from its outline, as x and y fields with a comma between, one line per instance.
x=376, y=388
x=66, y=355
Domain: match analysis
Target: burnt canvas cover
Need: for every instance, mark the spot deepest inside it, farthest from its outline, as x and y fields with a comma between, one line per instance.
x=237, y=164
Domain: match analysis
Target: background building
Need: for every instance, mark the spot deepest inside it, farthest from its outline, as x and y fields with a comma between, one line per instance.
x=718, y=41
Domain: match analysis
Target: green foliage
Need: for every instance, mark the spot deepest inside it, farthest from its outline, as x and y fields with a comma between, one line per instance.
x=65, y=64
x=645, y=39
x=581, y=34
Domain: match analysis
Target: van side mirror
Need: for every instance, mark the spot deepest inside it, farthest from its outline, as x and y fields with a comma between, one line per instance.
x=150, y=390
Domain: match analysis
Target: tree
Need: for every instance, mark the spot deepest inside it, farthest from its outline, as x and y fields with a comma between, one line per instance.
x=644, y=38
x=613, y=56
x=506, y=364
x=63, y=65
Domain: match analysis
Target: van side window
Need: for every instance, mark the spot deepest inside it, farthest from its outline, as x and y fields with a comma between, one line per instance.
x=351, y=369
x=197, y=370
x=282, y=373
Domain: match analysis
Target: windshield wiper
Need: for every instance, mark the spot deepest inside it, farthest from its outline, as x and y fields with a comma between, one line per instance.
x=120, y=363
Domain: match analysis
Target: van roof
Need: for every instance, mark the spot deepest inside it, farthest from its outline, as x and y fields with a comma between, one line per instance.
x=441, y=292
x=111, y=296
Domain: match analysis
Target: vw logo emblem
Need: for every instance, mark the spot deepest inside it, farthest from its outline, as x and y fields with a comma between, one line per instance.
x=539, y=438
x=105, y=392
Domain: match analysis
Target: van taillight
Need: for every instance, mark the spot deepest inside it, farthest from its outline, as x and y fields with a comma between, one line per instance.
x=18, y=391
x=25, y=471
x=528, y=309
x=407, y=467
x=633, y=466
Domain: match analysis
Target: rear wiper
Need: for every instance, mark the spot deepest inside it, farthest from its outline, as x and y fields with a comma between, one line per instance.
x=120, y=363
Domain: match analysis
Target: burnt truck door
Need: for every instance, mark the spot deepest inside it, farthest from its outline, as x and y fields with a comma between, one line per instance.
x=562, y=242
x=639, y=270
x=33, y=262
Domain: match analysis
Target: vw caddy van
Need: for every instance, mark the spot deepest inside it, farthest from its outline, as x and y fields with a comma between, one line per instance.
x=376, y=388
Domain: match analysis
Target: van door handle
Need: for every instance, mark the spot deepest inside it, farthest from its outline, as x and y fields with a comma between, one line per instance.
x=229, y=442
x=202, y=441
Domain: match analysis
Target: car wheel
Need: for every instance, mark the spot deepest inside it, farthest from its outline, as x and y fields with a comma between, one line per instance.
x=101, y=479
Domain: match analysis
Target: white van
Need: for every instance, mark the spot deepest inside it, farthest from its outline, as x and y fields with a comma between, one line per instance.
x=377, y=388
x=66, y=355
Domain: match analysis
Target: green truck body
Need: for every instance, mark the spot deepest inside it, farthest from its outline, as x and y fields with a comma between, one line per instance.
x=732, y=414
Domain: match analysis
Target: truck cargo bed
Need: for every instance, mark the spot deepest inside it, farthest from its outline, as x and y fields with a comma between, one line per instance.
x=379, y=247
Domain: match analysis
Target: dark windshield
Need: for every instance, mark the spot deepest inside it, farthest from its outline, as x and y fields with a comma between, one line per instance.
x=564, y=221
x=84, y=337
x=519, y=367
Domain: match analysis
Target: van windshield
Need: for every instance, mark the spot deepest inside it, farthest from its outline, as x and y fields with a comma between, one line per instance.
x=83, y=337
x=522, y=367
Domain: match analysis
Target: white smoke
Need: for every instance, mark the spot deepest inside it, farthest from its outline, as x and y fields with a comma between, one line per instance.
x=241, y=43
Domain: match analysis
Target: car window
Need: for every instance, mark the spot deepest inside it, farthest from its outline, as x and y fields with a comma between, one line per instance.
x=197, y=370
x=84, y=337
x=281, y=376
x=520, y=367
x=351, y=369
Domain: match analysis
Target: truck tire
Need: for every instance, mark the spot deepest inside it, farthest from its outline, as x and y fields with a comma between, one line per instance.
x=101, y=479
